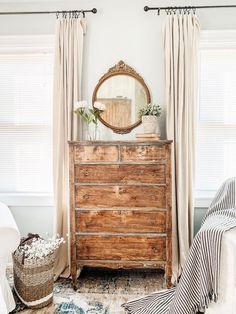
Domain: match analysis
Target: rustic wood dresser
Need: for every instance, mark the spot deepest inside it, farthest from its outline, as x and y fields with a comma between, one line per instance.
x=120, y=205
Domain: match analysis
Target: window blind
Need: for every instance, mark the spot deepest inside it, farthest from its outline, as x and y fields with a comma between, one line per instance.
x=216, y=140
x=26, y=122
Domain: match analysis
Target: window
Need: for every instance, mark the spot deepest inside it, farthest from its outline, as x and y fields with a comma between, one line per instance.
x=216, y=144
x=26, y=80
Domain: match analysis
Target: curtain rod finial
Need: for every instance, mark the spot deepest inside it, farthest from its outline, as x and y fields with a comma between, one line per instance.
x=94, y=10
x=146, y=8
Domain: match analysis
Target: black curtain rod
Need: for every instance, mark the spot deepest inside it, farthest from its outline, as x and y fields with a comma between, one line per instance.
x=186, y=8
x=94, y=11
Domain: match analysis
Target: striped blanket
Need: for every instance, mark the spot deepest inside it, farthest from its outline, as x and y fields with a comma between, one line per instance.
x=198, y=285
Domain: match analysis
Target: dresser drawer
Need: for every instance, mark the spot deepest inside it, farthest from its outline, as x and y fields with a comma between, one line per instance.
x=143, y=153
x=127, y=248
x=120, y=196
x=126, y=174
x=92, y=153
x=134, y=221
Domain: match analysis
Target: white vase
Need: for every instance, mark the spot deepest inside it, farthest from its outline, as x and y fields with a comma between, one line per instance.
x=150, y=124
x=91, y=132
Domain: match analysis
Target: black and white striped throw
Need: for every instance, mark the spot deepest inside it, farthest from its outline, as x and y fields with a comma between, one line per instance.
x=198, y=285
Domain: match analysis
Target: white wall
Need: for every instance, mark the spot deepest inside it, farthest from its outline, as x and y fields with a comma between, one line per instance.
x=121, y=30
x=34, y=219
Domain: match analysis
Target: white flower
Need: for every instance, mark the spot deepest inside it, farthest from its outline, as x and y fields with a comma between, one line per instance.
x=81, y=104
x=99, y=105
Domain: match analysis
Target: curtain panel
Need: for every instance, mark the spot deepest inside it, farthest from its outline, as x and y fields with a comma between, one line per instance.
x=69, y=43
x=181, y=42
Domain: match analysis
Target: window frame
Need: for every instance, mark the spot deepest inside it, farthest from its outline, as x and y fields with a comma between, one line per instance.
x=27, y=44
x=212, y=39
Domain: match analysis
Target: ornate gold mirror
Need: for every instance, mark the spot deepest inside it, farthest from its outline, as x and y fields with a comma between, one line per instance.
x=123, y=91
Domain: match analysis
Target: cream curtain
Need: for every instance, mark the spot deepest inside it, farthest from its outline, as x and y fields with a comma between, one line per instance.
x=181, y=40
x=67, y=90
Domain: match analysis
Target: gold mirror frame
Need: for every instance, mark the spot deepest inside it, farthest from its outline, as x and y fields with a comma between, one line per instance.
x=121, y=68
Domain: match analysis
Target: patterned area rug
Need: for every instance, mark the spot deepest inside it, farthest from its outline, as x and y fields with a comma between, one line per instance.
x=99, y=291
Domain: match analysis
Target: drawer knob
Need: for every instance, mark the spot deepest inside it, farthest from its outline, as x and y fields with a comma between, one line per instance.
x=122, y=190
x=140, y=154
x=155, y=250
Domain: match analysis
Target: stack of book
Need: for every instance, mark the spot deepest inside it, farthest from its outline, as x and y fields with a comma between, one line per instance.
x=148, y=136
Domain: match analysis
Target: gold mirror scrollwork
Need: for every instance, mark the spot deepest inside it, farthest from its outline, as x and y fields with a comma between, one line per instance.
x=123, y=91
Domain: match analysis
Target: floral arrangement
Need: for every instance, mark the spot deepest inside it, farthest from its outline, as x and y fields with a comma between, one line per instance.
x=89, y=114
x=39, y=248
x=150, y=110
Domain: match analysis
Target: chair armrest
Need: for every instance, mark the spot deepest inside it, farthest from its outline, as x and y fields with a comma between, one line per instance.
x=9, y=233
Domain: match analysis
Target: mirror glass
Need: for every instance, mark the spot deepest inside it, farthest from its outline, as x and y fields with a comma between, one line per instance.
x=123, y=96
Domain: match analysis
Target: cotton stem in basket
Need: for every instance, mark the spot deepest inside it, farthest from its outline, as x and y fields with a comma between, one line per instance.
x=40, y=248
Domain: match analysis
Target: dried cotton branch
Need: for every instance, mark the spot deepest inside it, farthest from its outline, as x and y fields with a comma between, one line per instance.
x=40, y=248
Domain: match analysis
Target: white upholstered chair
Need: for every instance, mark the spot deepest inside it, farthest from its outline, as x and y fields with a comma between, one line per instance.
x=227, y=283
x=9, y=240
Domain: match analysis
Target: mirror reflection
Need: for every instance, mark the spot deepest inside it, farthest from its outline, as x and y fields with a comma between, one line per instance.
x=123, y=96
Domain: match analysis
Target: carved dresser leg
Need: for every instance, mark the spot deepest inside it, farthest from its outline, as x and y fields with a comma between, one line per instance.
x=74, y=282
x=168, y=275
x=75, y=275
x=168, y=282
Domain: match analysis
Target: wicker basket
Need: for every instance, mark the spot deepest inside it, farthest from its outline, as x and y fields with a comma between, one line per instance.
x=33, y=280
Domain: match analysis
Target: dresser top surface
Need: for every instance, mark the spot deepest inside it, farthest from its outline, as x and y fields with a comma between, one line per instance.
x=124, y=142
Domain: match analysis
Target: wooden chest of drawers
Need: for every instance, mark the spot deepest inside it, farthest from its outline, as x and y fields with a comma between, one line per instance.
x=120, y=205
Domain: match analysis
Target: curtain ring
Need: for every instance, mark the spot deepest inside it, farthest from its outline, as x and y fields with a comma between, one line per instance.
x=168, y=11
x=83, y=13
x=194, y=10
x=158, y=11
x=57, y=14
